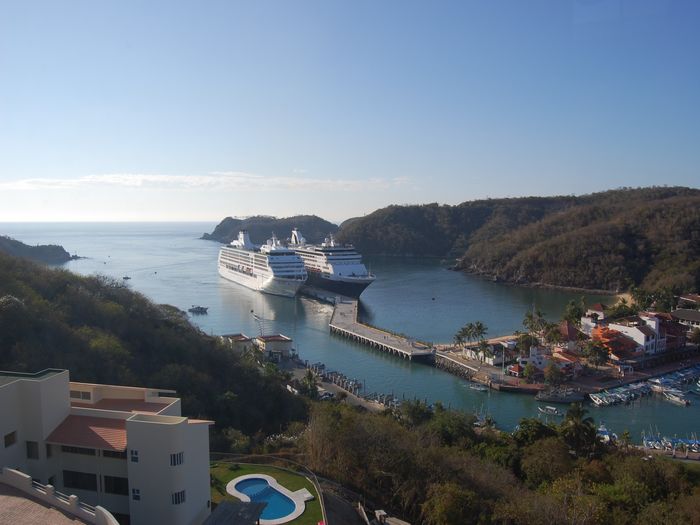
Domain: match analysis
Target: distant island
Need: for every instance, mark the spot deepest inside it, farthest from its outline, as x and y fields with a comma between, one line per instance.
x=261, y=227
x=46, y=253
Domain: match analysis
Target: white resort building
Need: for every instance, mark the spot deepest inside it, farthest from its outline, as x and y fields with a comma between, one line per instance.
x=125, y=449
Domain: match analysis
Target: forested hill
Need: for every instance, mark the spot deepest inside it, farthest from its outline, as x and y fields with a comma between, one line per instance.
x=609, y=240
x=260, y=228
x=103, y=332
x=50, y=254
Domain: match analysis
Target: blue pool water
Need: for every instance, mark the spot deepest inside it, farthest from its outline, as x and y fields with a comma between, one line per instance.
x=259, y=491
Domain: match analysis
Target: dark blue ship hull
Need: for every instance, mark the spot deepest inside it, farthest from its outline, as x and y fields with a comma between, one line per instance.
x=348, y=289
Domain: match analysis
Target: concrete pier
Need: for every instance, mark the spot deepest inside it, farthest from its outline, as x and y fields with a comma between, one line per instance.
x=344, y=322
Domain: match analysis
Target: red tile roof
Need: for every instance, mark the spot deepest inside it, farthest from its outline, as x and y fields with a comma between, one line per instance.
x=137, y=406
x=90, y=432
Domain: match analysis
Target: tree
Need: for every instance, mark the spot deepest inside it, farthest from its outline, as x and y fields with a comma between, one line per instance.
x=479, y=330
x=578, y=430
x=694, y=337
x=596, y=353
x=525, y=342
x=531, y=430
x=309, y=382
x=534, y=321
x=553, y=375
x=529, y=372
x=545, y=460
x=485, y=350
x=573, y=311
x=449, y=503
x=625, y=440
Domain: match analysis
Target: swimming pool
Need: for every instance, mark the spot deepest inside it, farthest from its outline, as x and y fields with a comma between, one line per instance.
x=282, y=505
x=260, y=491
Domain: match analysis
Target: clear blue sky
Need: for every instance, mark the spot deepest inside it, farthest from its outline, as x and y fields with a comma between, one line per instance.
x=172, y=110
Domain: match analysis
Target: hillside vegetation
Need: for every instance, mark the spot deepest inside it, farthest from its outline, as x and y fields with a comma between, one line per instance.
x=261, y=228
x=49, y=253
x=613, y=240
x=103, y=332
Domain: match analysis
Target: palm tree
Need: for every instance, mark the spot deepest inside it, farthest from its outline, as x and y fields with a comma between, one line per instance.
x=309, y=381
x=484, y=349
x=459, y=339
x=479, y=330
x=578, y=430
x=467, y=332
x=534, y=321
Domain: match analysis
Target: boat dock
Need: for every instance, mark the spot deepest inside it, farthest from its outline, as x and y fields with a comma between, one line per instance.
x=344, y=322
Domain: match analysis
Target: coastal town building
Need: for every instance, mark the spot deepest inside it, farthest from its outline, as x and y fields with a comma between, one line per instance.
x=688, y=318
x=689, y=300
x=127, y=449
x=274, y=347
x=239, y=343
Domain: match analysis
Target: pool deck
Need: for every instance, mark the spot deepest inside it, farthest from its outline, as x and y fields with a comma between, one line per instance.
x=299, y=497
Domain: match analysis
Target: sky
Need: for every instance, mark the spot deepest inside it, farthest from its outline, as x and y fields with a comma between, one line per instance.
x=195, y=110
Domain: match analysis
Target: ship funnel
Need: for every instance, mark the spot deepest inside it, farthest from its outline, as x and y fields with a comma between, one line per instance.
x=243, y=240
x=297, y=237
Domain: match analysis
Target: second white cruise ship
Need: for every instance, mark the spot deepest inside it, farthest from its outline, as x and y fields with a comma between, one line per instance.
x=332, y=266
x=270, y=268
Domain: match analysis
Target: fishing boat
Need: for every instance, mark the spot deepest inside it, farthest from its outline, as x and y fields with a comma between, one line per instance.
x=605, y=435
x=478, y=387
x=198, y=310
x=677, y=398
x=549, y=411
x=560, y=395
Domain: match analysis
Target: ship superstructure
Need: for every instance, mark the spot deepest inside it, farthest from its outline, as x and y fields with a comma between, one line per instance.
x=271, y=268
x=330, y=266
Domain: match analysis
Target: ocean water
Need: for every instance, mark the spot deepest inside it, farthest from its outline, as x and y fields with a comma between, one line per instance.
x=420, y=297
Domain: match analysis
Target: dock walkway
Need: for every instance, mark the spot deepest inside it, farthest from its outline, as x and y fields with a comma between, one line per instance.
x=344, y=322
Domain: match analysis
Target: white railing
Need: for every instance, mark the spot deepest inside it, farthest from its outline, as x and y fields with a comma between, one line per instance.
x=47, y=494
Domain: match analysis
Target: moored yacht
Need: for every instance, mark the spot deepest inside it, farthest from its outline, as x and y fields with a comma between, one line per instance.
x=333, y=267
x=270, y=268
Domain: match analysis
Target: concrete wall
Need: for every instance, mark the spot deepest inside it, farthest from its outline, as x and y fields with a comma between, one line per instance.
x=156, y=438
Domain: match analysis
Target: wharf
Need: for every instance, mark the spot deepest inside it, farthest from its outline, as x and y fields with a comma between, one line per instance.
x=344, y=322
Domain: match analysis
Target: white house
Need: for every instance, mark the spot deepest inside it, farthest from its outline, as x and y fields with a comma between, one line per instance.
x=645, y=330
x=126, y=449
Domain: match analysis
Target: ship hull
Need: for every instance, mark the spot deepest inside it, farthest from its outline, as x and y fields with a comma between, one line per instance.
x=269, y=285
x=341, y=287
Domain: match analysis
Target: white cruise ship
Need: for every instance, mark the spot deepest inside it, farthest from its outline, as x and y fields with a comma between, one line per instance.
x=270, y=268
x=332, y=267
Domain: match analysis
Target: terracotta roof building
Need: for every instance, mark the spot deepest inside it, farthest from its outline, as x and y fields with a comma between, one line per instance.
x=127, y=449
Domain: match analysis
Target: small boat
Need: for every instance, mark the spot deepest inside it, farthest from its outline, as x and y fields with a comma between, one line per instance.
x=605, y=435
x=478, y=387
x=126, y=277
x=677, y=398
x=549, y=411
x=198, y=310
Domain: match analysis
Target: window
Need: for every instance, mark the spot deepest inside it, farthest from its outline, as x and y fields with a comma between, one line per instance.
x=79, y=480
x=134, y=456
x=136, y=494
x=78, y=450
x=116, y=485
x=178, y=497
x=177, y=459
x=49, y=451
x=114, y=454
x=78, y=394
x=10, y=439
x=32, y=450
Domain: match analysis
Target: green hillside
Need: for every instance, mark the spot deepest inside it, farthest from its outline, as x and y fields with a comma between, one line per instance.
x=103, y=332
x=609, y=241
x=261, y=228
x=50, y=253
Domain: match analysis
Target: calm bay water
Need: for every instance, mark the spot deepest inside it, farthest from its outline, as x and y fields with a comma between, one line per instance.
x=420, y=297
